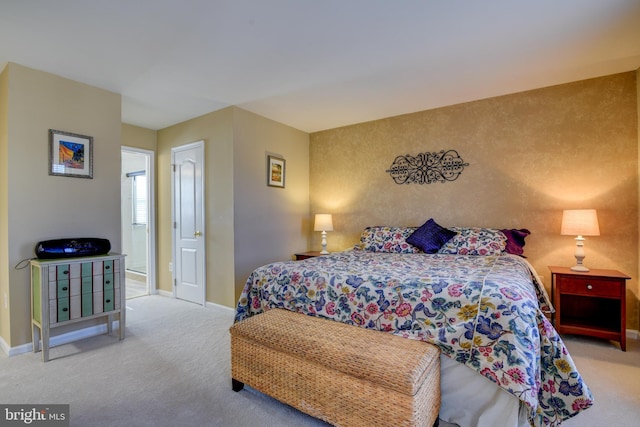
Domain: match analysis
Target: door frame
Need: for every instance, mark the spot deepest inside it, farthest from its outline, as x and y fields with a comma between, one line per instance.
x=151, y=235
x=200, y=146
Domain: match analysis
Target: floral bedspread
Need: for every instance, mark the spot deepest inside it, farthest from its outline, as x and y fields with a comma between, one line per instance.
x=482, y=311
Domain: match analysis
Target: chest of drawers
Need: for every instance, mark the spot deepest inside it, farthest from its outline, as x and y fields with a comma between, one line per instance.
x=72, y=290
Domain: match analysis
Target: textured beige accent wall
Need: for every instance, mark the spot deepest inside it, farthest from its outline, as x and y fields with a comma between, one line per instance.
x=530, y=156
x=40, y=206
x=637, y=290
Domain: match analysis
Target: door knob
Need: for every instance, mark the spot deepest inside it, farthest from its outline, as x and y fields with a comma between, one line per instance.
x=197, y=233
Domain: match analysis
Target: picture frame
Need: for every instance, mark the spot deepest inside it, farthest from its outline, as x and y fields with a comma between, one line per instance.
x=70, y=154
x=275, y=171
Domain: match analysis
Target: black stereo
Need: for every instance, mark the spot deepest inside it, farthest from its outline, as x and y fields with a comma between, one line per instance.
x=68, y=248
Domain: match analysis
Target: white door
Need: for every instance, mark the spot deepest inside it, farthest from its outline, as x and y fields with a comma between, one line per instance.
x=188, y=222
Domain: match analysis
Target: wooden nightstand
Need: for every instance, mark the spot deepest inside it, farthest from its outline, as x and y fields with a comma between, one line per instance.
x=591, y=303
x=304, y=255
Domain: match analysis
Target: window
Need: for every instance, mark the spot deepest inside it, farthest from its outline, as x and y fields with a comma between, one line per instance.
x=139, y=198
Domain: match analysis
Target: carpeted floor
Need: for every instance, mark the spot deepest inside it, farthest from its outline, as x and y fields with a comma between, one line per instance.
x=173, y=369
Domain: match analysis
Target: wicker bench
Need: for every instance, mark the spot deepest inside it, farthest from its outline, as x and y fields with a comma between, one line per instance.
x=342, y=374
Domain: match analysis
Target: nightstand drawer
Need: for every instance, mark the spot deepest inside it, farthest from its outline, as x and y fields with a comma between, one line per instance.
x=589, y=286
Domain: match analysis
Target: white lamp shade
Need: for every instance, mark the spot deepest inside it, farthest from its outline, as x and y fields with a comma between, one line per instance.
x=580, y=222
x=323, y=222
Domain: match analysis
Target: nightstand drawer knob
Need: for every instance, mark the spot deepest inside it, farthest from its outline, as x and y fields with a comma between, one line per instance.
x=589, y=287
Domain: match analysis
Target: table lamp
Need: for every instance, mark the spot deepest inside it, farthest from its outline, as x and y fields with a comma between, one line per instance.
x=580, y=222
x=324, y=223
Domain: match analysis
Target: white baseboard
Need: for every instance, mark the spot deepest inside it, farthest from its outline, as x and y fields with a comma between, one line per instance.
x=207, y=303
x=221, y=307
x=633, y=334
x=165, y=293
x=13, y=351
x=61, y=339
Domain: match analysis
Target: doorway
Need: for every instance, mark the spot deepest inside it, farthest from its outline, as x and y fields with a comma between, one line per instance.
x=138, y=221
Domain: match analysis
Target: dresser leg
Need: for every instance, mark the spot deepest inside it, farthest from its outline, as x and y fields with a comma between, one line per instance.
x=35, y=338
x=45, y=345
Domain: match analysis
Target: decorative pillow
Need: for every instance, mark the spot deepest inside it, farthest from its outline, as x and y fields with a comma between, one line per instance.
x=430, y=237
x=475, y=241
x=515, y=240
x=386, y=239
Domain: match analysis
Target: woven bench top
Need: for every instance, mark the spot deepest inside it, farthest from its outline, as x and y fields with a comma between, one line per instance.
x=397, y=363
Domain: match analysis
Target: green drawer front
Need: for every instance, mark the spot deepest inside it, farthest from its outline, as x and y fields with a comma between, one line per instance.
x=108, y=300
x=87, y=284
x=63, y=309
x=62, y=272
x=108, y=266
x=87, y=304
x=87, y=269
x=63, y=288
x=108, y=282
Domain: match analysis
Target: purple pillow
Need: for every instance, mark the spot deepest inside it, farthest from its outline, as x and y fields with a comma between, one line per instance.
x=430, y=237
x=515, y=240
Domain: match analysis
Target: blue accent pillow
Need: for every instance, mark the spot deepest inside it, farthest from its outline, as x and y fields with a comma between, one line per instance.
x=430, y=237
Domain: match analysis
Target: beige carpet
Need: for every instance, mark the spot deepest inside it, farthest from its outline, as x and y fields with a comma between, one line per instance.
x=173, y=369
x=614, y=379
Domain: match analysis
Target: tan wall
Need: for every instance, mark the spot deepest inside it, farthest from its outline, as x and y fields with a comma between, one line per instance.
x=270, y=223
x=247, y=223
x=5, y=318
x=137, y=137
x=216, y=129
x=40, y=206
x=146, y=139
x=530, y=156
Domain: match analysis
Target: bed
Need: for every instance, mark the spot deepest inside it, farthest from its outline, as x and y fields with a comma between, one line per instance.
x=468, y=292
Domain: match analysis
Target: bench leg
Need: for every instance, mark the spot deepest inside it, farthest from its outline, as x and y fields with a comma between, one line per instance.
x=236, y=385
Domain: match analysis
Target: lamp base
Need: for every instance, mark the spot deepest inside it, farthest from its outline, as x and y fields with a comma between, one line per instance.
x=579, y=255
x=579, y=268
x=324, y=243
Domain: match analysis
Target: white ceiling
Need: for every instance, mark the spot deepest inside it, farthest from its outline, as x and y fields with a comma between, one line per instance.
x=317, y=64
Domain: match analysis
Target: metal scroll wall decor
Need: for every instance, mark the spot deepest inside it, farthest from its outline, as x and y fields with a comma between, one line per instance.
x=427, y=168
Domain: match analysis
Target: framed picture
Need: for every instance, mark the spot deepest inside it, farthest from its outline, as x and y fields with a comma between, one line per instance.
x=70, y=154
x=275, y=172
